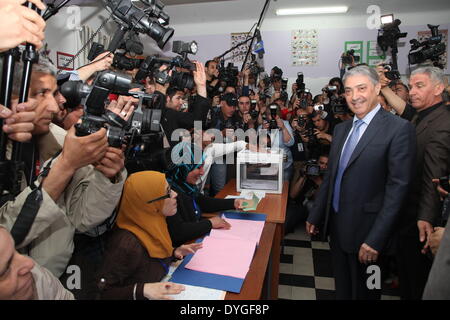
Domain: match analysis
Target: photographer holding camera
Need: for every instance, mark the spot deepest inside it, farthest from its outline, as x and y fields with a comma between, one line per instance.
x=422, y=206
x=304, y=186
x=281, y=136
x=226, y=120
x=81, y=189
x=173, y=118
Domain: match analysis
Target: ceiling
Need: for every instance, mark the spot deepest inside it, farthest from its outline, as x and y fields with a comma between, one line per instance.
x=189, y=11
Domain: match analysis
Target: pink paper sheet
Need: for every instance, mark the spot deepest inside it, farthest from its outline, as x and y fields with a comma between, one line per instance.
x=228, y=257
x=240, y=229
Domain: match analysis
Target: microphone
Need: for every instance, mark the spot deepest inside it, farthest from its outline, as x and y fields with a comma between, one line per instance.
x=259, y=46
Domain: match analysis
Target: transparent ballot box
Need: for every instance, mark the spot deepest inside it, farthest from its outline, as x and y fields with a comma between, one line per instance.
x=260, y=171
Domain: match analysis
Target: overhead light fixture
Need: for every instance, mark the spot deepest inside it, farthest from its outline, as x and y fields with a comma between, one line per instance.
x=317, y=10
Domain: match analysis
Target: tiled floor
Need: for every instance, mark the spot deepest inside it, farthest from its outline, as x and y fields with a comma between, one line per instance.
x=306, y=272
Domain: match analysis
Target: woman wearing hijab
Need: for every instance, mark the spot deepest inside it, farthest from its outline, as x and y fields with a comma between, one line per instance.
x=139, y=249
x=187, y=224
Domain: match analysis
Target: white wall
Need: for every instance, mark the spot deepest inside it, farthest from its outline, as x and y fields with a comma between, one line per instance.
x=214, y=37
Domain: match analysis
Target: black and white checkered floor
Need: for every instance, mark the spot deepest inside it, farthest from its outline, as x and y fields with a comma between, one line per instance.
x=306, y=272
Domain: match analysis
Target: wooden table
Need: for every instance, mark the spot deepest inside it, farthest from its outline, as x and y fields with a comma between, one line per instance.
x=274, y=205
x=252, y=289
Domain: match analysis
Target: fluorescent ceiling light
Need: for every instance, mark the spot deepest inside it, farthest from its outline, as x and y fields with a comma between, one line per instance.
x=318, y=10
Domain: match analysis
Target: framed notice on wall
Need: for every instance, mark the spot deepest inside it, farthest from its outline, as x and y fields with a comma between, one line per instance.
x=63, y=59
x=375, y=55
x=304, y=47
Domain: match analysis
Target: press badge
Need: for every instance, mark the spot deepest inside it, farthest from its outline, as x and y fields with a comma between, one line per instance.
x=300, y=147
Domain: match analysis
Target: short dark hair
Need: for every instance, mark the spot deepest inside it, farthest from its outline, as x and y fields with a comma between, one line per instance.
x=171, y=91
x=316, y=98
x=394, y=83
x=208, y=62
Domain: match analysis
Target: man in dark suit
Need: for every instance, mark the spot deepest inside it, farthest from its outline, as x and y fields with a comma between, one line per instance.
x=370, y=169
x=422, y=209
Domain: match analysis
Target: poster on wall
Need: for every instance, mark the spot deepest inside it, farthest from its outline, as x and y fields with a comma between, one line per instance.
x=238, y=54
x=424, y=35
x=305, y=47
x=63, y=59
x=357, y=46
x=375, y=55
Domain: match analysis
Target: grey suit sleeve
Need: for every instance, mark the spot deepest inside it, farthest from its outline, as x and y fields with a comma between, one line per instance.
x=401, y=158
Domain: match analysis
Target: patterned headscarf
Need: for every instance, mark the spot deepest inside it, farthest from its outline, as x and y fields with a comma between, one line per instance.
x=185, y=157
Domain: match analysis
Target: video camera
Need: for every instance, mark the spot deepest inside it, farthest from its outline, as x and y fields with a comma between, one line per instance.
x=228, y=75
x=179, y=79
x=349, y=57
x=143, y=16
x=432, y=48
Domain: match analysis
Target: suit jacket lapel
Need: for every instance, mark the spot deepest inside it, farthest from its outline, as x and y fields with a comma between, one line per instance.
x=371, y=131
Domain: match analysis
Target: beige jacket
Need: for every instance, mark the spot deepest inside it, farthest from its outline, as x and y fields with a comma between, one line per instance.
x=47, y=286
x=88, y=200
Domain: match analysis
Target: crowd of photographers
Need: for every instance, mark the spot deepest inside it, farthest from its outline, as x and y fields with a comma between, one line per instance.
x=78, y=167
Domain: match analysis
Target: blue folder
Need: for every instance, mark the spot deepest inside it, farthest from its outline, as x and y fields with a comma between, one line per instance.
x=210, y=280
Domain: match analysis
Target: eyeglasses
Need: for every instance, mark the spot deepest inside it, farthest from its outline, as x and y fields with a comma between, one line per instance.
x=166, y=196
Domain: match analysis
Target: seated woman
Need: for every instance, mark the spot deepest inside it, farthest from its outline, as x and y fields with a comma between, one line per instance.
x=187, y=224
x=139, y=249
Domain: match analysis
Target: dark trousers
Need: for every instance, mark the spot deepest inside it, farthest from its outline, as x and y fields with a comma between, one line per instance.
x=413, y=266
x=350, y=275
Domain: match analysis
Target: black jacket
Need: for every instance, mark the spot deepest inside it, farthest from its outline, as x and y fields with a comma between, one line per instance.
x=172, y=119
x=185, y=225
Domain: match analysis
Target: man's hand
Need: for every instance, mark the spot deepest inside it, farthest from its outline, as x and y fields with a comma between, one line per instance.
x=103, y=61
x=18, y=123
x=186, y=249
x=442, y=192
x=200, y=79
x=425, y=231
x=122, y=107
x=384, y=81
x=112, y=163
x=322, y=135
x=79, y=152
x=435, y=239
x=163, y=88
x=20, y=24
x=367, y=254
x=219, y=223
x=311, y=229
x=280, y=122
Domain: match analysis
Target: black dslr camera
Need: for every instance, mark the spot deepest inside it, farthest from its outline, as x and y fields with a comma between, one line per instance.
x=96, y=117
x=390, y=72
x=273, y=113
x=312, y=168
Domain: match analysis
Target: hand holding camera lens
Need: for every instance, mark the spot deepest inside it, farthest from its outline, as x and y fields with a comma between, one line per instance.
x=79, y=152
x=112, y=163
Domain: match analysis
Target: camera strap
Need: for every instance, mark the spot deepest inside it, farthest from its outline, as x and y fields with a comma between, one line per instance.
x=30, y=208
